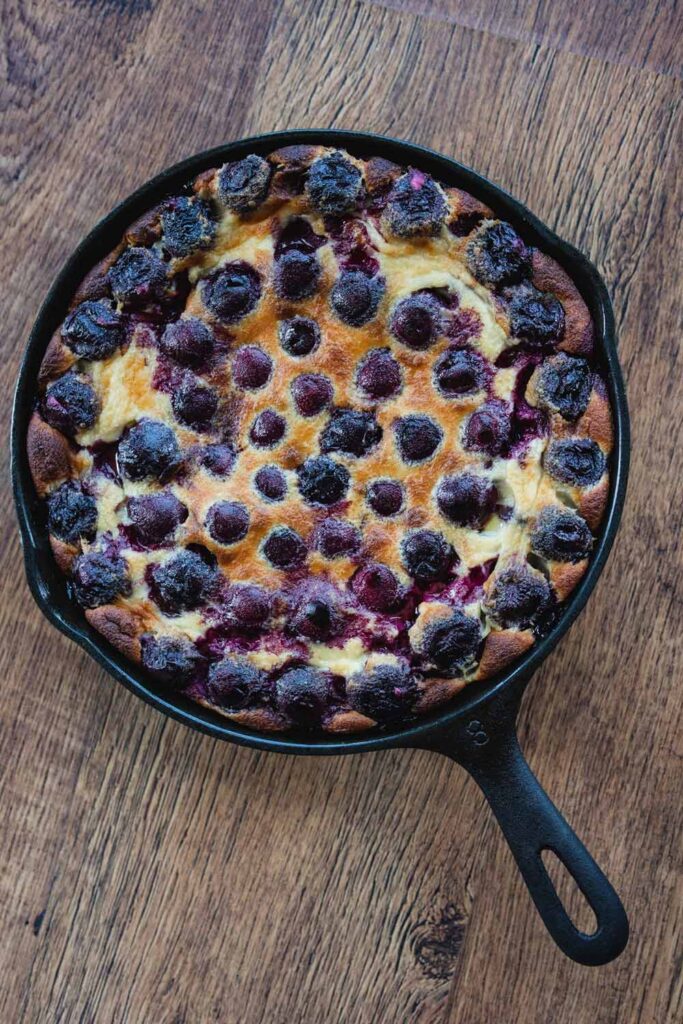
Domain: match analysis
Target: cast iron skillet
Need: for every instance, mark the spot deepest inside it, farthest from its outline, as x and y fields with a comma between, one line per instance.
x=477, y=729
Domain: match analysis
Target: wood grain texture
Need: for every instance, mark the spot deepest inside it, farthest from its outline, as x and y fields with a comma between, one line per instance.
x=150, y=874
x=642, y=33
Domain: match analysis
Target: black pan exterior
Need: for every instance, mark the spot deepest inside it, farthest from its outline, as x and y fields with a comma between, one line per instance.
x=47, y=583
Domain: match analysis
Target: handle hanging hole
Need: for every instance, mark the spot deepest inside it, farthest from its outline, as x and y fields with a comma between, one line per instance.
x=575, y=903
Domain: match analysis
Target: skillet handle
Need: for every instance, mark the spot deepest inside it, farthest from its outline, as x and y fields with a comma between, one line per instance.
x=486, y=746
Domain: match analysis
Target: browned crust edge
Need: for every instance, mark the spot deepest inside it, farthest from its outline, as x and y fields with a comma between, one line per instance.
x=58, y=358
x=119, y=626
x=96, y=285
x=49, y=454
x=596, y=422
x=593, y=502
x=564, y=576
x=548, y=276
x=64, y=553
x=348, y=721
x=438, y=691
x=501, y=648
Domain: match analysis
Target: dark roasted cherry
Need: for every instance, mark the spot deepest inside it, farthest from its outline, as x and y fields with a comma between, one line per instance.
x=218, y=459
x=427, y=556
x=385, y=693
x=466, y=499
x=243, y=184
x=99, y=578
x=194, y=404
x=417, y=321
x=518, y=595
x=536, y=317
x=172, y=659
x=488, y=429
x=189, y=341
x=271, y=483
x=459, y=371
x=497, y=256
x=183, y=582
x=299, y=336
x=376, y=587
x=379, y=375
x=450, y=643
x=94, y=330
x=155, y=517
x=416, y=206
x=333, y=184
x=417, y=437
x=355, y=297
x=227, y=521
x=576, y=460
x=561, y=535
x=187, y=225
x=247, y=606
x=350, y=431
x=296, y=274
x=72, y=514
x=303, y=695
x=285, y=549
x=138, y=274
x=232, y=292
x=337, y=538
x=385, y=497
x=251, y=367
x=149, y=450
x=267, y=429
x=234, y=684
x=312, y=392
x=316, y=611
x=322, y=481
x=564, y=385
x=70, y=404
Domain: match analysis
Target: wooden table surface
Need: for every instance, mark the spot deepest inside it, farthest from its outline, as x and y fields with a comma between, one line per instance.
x=153, y=875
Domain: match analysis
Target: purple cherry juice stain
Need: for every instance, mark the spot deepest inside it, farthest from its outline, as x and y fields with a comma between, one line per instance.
x=143, y=332
x=168, y=376
x=527, y=422
x=297, y=233
x=104, y=459
x=352, y=246
x=469, y=587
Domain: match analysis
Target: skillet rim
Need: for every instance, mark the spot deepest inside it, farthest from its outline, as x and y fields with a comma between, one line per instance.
x=48, y=585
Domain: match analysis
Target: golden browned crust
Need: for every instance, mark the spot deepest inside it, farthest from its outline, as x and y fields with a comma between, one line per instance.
x=57, y=360
x=64, y=553
x=501, y=648
x=437, y=691
x=146, y=229
x=593, y=502
x=348, y=721
x=262, y=719
x=95, y=285
x=548, y=276
x=289, y=164
x=49, y=454
x=380, y=174
x=565, y=576
x=596, y=422
x=465, y=211
x=119, y=626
